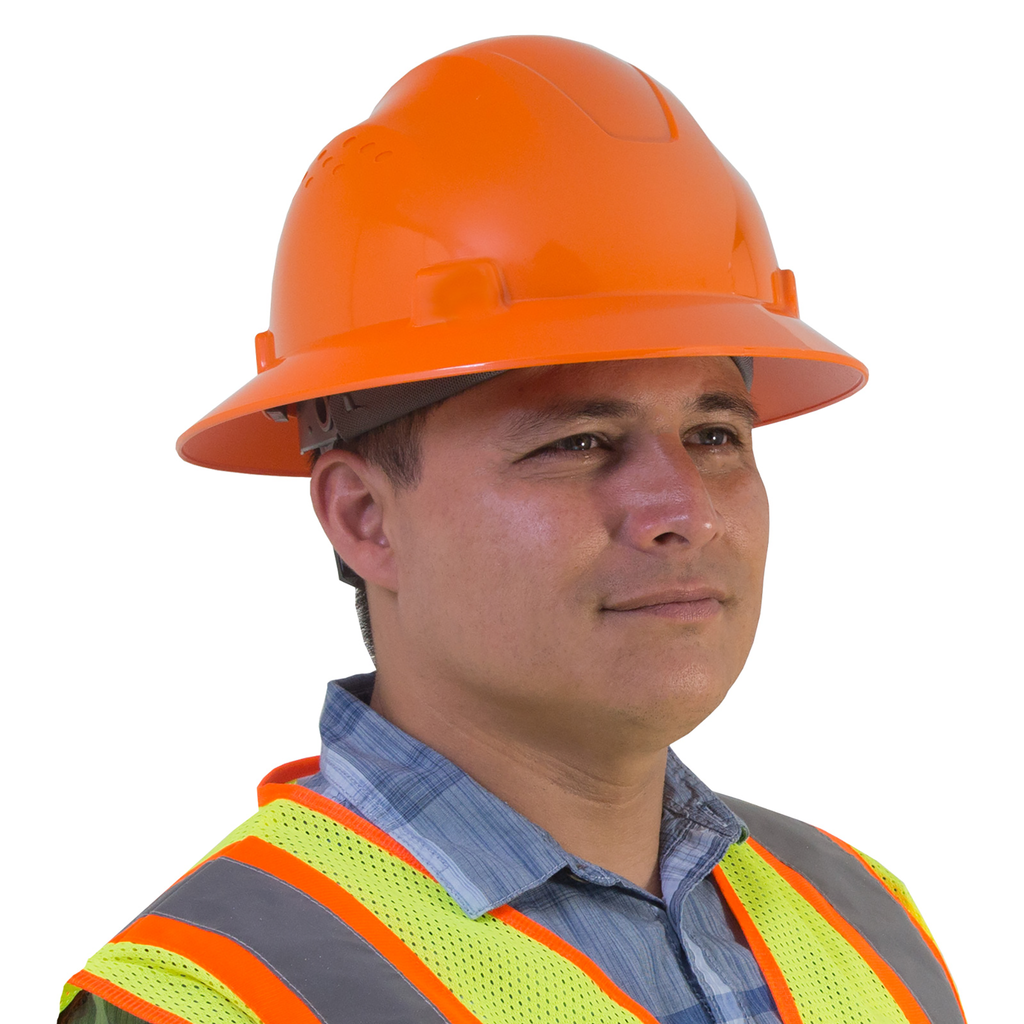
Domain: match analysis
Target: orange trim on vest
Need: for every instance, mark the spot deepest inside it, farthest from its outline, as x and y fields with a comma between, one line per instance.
x=272, y=791
x=291, y=771
x=283, y=865
x=511, y=916
x=508, y=915
x=762, y=954
x=125, y=1000
x=892, y=981
x=928, y=940
x=269, y=998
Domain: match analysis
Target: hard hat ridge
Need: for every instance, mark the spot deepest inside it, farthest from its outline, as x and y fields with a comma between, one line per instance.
x=516, y=202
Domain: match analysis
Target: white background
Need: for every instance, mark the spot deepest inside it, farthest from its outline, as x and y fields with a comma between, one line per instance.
x=169, y=630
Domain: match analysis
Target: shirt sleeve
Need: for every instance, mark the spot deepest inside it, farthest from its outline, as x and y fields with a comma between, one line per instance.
x=86, y=1008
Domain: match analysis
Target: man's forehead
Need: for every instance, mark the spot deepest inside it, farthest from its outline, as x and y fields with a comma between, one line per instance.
x=520, y=400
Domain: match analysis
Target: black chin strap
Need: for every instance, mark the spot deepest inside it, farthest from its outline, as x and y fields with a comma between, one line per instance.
x=345, y=574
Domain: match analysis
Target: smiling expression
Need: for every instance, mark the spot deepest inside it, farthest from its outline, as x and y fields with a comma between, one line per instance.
x=585, y=547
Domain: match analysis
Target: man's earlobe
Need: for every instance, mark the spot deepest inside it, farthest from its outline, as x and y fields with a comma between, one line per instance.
x=349, y=498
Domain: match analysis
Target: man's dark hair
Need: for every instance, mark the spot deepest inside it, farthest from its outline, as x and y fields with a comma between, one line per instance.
x=395, y=448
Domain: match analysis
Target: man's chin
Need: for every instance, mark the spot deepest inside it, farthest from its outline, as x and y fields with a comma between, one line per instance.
x=657, y=708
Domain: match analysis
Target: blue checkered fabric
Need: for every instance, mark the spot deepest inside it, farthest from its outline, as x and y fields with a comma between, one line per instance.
x=683, y=957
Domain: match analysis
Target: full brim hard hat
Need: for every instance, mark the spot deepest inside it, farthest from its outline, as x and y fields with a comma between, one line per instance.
x=519, y=202
x=796, y=370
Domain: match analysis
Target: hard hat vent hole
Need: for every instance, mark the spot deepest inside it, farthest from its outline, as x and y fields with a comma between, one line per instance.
x=323, y=413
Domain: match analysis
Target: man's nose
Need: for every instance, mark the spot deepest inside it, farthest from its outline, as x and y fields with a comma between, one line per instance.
x=662, y=498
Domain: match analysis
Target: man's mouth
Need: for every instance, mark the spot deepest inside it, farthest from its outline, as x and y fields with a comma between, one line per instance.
x=689, y=603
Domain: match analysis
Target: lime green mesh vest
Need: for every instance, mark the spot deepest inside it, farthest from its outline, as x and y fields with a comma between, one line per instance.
x=308, y=913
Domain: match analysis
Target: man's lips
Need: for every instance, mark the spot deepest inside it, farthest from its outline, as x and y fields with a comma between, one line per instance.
x=689, y=603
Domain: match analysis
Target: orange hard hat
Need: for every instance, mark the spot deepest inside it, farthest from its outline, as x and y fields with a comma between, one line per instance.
x=523, y=201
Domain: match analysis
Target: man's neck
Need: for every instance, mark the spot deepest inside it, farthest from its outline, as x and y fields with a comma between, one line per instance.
x=600, y=805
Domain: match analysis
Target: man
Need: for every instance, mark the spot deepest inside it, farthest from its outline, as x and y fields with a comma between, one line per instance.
x=525, y=319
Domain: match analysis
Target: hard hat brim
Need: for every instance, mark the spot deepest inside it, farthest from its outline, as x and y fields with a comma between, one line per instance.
x=796, y=370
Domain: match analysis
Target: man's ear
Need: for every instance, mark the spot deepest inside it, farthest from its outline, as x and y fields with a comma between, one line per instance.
x=349, y=497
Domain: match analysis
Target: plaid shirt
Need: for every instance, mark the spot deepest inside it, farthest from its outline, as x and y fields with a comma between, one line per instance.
x=681, y=956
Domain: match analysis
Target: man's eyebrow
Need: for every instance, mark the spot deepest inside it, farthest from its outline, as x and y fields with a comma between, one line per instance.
x=726, y=401
x=528, y=421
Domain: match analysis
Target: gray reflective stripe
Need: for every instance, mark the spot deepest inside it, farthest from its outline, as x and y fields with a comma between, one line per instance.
x=856, y=894
x=336, y=972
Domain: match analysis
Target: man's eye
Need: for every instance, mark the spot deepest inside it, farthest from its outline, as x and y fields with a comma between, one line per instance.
x=577, y=443
x=715, y=437
x=582, y=444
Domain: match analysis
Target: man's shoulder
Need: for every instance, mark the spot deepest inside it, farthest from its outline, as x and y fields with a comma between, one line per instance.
x=779, y=832
x=829, y=863
x=270, y=896
x=823, y=859
x=838, y=879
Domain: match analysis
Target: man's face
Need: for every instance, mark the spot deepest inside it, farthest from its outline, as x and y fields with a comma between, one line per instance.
x=585, y=549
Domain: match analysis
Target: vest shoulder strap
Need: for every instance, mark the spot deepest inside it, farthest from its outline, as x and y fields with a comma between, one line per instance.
x=308, y=913
x=856, y=897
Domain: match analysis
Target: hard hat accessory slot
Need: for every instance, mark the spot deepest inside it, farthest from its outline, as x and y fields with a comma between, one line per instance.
x=346, y=416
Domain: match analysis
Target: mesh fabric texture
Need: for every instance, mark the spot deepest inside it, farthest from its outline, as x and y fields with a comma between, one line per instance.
x=829, y=980
x=496, y=971
x=170, y=981
x=898, y=889
x=69, y=993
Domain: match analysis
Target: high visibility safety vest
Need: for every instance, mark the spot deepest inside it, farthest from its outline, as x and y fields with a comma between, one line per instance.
x=308, y=914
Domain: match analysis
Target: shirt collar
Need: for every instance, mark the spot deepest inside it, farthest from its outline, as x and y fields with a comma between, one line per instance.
x=478, y=848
